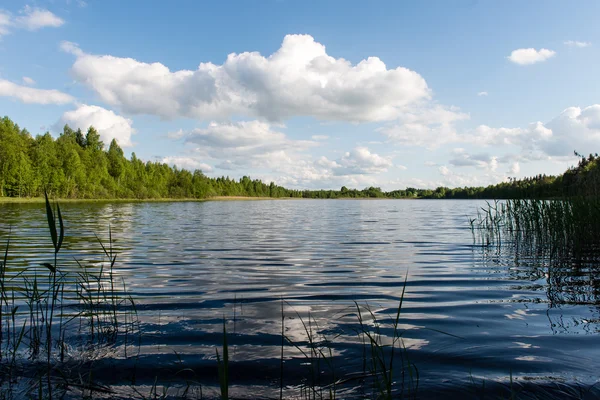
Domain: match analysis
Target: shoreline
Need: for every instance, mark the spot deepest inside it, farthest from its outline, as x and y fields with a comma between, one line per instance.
x=41, y=200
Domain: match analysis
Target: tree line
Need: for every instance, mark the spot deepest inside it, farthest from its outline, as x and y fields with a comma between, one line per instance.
x=77, y=165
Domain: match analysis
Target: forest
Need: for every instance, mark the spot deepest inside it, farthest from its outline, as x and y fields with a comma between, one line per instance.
x=78, y=165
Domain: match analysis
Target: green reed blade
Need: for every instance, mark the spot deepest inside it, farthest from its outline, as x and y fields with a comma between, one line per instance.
x=61, y=235
x=51, y=222
x=49, y=266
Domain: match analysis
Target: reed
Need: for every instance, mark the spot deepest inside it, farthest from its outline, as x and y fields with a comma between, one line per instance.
x=39, y=310
x=561, y=229
x=380, y=357
x=558, y=240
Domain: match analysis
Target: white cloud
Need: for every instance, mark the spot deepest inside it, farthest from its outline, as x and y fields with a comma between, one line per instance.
x=243, y=136
x=33, y=96
x=575, y=43
x=177, y=134
x=71, y=48
x=37, y=18
x=482, y=94
x=453, y=179
x=108, y=124
x=319, y=137
x=481, y=160
x=530, y=56
x=427, y=127
x=5, y=23
x=243, y=145
x=188, y=163
x=30, y=18
x=358, y=161
x=573, y=129
x=514, y=168
x=257, y=146
x=299, y=79
x=484, y=135
x=28, y=81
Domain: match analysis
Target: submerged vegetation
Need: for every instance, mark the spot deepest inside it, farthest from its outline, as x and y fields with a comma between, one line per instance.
x=78, y=165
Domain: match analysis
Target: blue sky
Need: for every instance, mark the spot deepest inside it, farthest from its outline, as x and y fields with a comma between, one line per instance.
x=315, y=94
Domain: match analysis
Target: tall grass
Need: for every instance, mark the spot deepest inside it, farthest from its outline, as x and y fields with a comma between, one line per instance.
x=380, y=357
x=558, y=240
x=566, y=229
x=50, y=314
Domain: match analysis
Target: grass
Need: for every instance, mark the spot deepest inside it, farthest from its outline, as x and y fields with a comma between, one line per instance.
x=555, y=240
x=567, y=229
x=46, y=310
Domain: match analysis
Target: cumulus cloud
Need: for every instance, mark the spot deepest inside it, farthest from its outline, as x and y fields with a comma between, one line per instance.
x=188, y=163
x=242, y=137
x=530, y=56
x=243, y=145
x=451, y=178
x=258, y=146
x=30, y=18
x=480, y=160
x=514, y=169
x=71, y=48
x=575, y=43
x=28, y=81
x=573, y=129
x=358, y=161
x=482, y=94
x=34, y=18
x=299, y=79
x=108, y=124
x=427, y=127
x=444, y=170
x=33, y=96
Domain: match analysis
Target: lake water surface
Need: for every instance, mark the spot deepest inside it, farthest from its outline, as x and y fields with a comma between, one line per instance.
x=189, y=266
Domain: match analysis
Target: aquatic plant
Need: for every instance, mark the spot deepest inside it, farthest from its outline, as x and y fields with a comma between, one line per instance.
x=53, y=314
x=558, y=240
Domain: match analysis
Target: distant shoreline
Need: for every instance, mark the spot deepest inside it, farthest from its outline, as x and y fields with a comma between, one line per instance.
x=40, y=200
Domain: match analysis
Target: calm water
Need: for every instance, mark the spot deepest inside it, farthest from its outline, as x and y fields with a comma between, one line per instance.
x=191, y=265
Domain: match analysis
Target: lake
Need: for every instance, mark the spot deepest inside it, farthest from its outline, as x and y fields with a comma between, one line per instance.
x=469, y=312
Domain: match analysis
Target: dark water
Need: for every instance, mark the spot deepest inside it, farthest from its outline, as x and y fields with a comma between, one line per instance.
x=189, y=266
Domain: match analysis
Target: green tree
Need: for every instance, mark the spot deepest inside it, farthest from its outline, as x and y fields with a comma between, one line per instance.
x=92, y=140
x=116, y=160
